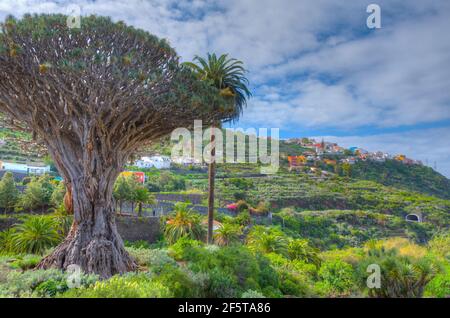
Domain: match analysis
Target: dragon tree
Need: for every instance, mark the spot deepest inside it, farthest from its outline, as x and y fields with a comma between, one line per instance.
x=93, y=96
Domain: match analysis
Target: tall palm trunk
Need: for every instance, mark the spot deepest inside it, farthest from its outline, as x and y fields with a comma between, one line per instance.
x=211, y=187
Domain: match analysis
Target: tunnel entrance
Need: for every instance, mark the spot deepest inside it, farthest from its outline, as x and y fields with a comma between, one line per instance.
x=413, y=218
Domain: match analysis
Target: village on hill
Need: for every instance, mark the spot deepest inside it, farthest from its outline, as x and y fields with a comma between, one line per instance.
x=330, y=153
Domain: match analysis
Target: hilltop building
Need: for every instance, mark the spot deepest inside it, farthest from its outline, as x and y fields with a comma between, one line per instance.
x=158, y=162
x=36, y=168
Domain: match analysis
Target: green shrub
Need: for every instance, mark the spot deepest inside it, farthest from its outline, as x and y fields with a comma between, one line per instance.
x=252, y=294
x=9, y=195
x=337, y=278
x=242, y=206
x=158, y=259
x=243, y=219
x=440, y=245
x=6, y=241
x=130, y=285
x=26, y=262
x=57, y=197
x=141, y=255
x=183, y=247
x=220, y=285
x=401, y=276
x=63, y=219
x=231, y=270
x=35, y=235
x=137, y=244
x=155, y=259
x=28, y=283
x=178, y=281
x=439, y=286
x=37, y=193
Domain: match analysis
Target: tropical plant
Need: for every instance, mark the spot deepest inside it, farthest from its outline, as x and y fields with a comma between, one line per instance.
x=227, y=234
x=57, y=197
x=267, y=240
x=337, y=278
x=37, y=194
x=35, y=235
x=62, y=218
x=142, y=196
x=121, y=63
x=299, y=249
x=9, y=194
x=440, y=245
x=439, y=286
x=6, y=241
x=122, y=191
x=185, y=223
x=401, y=276
x=228, y=76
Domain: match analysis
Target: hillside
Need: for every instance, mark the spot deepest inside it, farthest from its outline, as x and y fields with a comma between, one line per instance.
x=16, y=147
x=393, y=173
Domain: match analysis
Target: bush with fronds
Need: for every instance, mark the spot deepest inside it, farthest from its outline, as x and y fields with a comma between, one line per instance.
x=35, y=235
x=299, y=249
x=6, y=241
x=184, y=223
x=227, y=234
x=401, y=276
x=267, y=240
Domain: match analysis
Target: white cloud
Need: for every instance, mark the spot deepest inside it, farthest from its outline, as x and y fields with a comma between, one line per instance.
x=312, y=63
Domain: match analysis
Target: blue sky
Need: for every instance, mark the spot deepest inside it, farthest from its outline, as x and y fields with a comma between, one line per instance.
x=314, y=66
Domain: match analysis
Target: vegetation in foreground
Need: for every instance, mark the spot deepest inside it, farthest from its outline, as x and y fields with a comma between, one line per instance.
x=266, y=263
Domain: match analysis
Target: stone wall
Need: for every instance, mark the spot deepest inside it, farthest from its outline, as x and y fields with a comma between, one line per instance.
x=6, y=223
x=139, y=228
x=130, y=228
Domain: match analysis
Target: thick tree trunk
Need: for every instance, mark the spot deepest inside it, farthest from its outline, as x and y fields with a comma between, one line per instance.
x=93, y=242
x=211, y=188
x=68, y=200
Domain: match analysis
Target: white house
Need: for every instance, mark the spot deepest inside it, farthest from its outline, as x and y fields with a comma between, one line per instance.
x=187, y=161
x=31, y=168
x=158, y=162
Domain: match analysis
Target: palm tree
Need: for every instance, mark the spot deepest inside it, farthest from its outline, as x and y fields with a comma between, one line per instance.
x=267, y=240
x=299, y=249
x=35, y=235
x=227, y=234
x=228, y=76
x=185, y=223
x=142, y=196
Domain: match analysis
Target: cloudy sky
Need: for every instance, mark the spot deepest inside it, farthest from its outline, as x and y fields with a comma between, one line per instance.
x=314, y=66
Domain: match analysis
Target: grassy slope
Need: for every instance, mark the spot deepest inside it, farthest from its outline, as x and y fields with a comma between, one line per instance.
x=393, y=173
